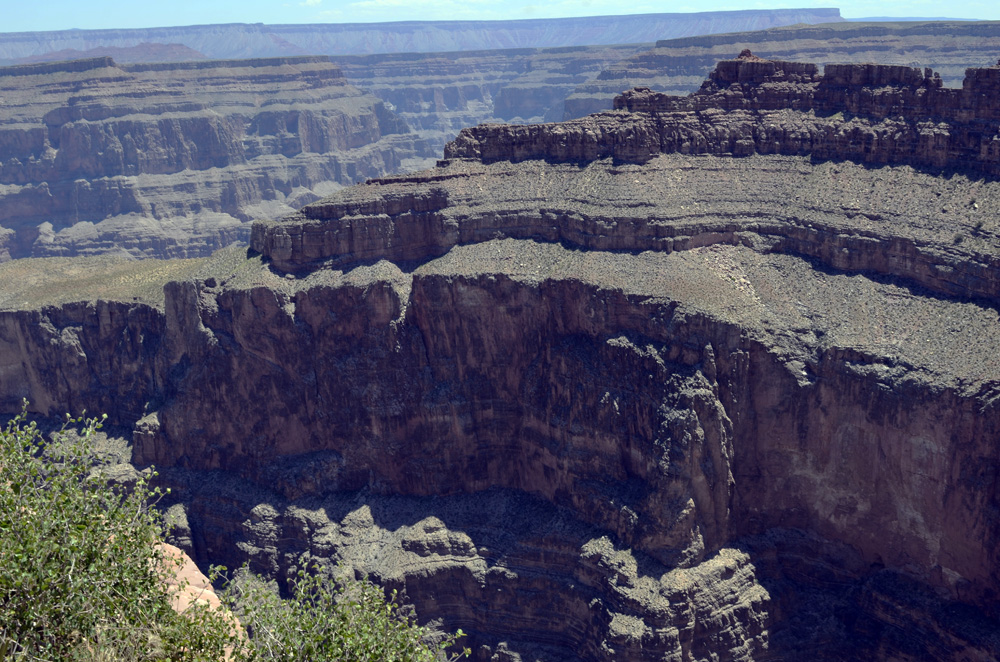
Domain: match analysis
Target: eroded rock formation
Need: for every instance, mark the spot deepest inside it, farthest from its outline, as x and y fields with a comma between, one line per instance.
x=439, y=94
x=875, y=114
x=587, y=397
x=678, y=66
x=174, y=160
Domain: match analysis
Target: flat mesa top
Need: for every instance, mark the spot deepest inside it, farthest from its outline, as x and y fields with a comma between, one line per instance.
x=37, y=282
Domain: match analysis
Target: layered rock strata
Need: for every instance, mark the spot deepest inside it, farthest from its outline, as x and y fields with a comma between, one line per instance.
x=875, y=114
x=175, y=160
x=438, y=94
x=678, y=66
x=683, y=407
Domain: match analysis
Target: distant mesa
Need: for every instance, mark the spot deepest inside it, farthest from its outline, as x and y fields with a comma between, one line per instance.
x=145, y=52
x=870, y=113
x=237, y=40
x=678, y=66
x=175, y=159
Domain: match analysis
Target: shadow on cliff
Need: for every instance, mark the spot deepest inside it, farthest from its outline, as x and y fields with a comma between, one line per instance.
x=827, y=604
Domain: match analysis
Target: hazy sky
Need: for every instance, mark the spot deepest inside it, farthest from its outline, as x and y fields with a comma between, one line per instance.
x=27, y=15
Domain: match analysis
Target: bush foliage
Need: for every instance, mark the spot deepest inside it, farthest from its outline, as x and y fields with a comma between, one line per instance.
x=82, y=577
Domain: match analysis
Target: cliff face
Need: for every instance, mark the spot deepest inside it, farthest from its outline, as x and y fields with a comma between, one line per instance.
x=174, y=160
x=438, y=94
x=874, y=114
x=661, y=406
x=678, y=66
x=94, y=173
x=95, y=357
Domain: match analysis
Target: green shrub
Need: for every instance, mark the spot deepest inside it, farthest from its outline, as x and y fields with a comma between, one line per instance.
x=82, y=577
x=329, y=619
x=81, y=574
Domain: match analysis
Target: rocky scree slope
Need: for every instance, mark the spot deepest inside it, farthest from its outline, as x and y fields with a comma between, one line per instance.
x=600, y=402
x=174, y=160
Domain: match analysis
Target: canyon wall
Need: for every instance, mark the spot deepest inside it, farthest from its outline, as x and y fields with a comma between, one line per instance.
x=174, y=160
x=677, y=66
x=875, y=114
x=213, y=158
x=589, y=397
x=438, y=94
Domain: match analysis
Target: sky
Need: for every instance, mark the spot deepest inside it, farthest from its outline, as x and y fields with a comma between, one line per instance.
x=34, y=15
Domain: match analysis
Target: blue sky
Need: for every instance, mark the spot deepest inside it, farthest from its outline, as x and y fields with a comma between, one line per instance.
x=28, y=15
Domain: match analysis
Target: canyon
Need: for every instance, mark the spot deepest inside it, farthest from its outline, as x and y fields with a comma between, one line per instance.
x=678, y=66
x=175, y=160
x=703, y=377
x=121, y=154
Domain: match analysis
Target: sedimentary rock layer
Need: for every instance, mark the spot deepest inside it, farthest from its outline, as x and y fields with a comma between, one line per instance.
x=438, y=94
x=874, y=114
x=678, y=66
x=674, y=449
x=174, y=160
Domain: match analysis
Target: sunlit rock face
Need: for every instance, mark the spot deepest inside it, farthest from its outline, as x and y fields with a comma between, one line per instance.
x=175, y=160
x=678, y=66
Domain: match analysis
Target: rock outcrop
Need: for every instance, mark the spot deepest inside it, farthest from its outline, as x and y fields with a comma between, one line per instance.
x=874, y=114
x=174, y=160
x=678, y=66
x=587, y=397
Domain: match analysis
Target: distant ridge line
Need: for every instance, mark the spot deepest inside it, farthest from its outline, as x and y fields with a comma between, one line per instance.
x=68, y=66
x=241, y=40
x=784, y=33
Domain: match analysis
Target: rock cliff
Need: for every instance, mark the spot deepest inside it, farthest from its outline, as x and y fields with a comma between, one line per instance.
x=173, y=160
x=438, y=94
x=678, y=66
x=875, y=114
x=587, y=399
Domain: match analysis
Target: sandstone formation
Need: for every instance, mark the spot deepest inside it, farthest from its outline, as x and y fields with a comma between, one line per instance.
x=188, y=585
x=678, y=66
x=191, y=211
x=174, y=160
x=589, y=395
x=236, y=40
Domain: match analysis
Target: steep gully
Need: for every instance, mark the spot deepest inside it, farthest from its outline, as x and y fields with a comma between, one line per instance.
x=617, y=403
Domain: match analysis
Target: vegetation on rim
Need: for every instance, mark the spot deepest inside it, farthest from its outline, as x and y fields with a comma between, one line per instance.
x=82, y=577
